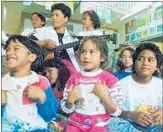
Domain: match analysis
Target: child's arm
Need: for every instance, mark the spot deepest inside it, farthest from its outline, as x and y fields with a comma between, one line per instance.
x=50, y=44
x=112, y=97
x=157, y=117
x=35, y=93
x=100, y=90
x=115, y=94
x=4, y=98
x=140, y=118
x=69, y=97
x=49, y=108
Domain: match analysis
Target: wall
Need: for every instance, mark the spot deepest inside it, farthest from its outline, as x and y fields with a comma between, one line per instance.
x=17, y=12
x=13, y=19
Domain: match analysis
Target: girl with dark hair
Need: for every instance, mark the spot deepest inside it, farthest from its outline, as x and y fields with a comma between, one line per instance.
x=85, y=97
x=142, y=106
x=58, y=74
x=38, y=22
x=125, y=62
x=91, y=23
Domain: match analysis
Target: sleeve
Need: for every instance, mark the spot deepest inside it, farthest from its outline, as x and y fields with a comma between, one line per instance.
x=69, y=83
x=49, y=108
x=115, y=93
x=26, y=32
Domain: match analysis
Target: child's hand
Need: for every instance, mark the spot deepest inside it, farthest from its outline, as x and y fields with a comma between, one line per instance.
x=141, y=118
x=100, y=89
x=50, y=44
x=4, y=97
x=157, y=117
x=73, y=95
x=35, y=93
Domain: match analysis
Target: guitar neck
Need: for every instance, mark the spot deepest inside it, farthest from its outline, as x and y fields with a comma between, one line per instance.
x=107, y=37
x=66, y=46
x=76, y=43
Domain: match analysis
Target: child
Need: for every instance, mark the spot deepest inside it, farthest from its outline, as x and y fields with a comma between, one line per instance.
x=125, y=63
x=93, y=94
x=142, y=106
x=38, y=22
x=27, y=98
x=91, y=23
x=58, y=74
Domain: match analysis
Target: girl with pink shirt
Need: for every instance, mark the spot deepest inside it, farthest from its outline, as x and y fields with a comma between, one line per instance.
x=92, y=95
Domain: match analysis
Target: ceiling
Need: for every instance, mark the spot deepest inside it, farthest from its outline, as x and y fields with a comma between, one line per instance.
x=127, y=8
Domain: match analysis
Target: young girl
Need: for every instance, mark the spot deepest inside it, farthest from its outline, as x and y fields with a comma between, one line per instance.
x=92, y=95
x=27, y=99
x=142, y=107
x=125, y=63
x=91, y=24
x=38, y=22
x=58, y=74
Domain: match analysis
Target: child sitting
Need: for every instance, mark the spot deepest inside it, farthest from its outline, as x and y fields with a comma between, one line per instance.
x=58, y=74
x=142, y=107
x=38, y=22
x=125, y=63
x=92, y=95
x=27, y=98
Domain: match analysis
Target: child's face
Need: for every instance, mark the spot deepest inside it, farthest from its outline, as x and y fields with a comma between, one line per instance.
x=18, y=57
x=127, y=59
x=87, y=22
x=36, y=21
x=52, y=74
x=90, y=56
x=146, y=63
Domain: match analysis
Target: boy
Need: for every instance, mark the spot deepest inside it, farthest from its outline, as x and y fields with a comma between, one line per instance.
x=27, y=97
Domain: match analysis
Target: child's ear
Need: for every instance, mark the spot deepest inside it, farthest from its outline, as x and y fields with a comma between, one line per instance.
x=102, y=59
x=32, y=57
x=66, y=20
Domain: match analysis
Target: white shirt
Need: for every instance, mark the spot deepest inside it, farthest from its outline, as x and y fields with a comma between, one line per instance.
x=90, y=33
x=139, y=97
x=15, y=108
x=39, y=33
x=50, y=33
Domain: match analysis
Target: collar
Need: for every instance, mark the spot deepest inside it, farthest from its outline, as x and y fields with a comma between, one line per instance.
x=91, y=74
x=33, y=77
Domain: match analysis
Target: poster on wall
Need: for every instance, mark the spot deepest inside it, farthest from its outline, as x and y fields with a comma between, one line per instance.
x=160, y=28
x=104, y=13
x=144, y=19
x=158, y=13
x=132, y=36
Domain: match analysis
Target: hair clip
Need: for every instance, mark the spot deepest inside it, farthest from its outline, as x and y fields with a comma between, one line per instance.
x=91, y=12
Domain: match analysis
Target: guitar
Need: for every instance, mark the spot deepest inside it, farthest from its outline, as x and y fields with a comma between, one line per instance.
x=59, y=48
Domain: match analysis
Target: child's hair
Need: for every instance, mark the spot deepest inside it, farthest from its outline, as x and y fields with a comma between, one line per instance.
x=120, y=65
x=31, y=46
x=63, y=72
x=94, y=18
x=41, y=16
x=64, y=8
x=147, y=46
x=101, y=45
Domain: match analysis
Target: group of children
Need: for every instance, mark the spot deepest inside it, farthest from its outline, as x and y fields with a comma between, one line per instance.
x=93, y=99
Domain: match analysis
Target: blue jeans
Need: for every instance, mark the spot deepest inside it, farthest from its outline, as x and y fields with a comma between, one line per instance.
x=120, y=125
x=18, y=126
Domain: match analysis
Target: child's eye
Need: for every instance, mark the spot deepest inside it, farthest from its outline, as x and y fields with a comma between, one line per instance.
x=92, y=52
x=140, y=59
x=82, y=52
x=7, y=50
x=16, y=49
x=150, y=60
